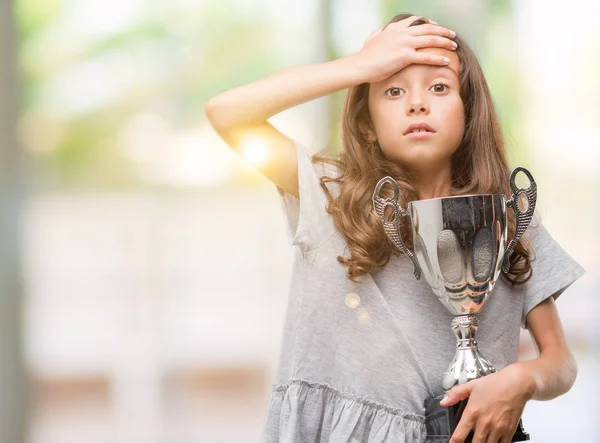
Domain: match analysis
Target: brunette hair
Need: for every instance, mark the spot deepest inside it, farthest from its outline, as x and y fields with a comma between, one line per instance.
x=479, y=166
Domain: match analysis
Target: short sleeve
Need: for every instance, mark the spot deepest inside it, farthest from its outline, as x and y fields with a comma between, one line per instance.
x=553, y=270
x=308, y=225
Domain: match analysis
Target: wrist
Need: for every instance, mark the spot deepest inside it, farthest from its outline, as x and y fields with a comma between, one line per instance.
x=355, y=67
x=527, y=379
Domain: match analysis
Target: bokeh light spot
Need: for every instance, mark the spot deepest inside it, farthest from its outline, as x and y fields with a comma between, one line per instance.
x=352, y=300
x=362, y=316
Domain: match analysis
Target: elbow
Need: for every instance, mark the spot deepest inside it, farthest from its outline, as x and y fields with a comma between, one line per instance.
x=566, y=375
x=571, y=369
x=560, y=374
x=220, y=117
x=210, y=111
x=216, y=118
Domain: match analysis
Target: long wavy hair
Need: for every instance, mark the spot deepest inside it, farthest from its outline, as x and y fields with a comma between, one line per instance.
x=479, y=166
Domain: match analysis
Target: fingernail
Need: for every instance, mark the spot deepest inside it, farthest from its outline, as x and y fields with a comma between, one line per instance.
x=444, y=399
x=452, y=34
x=454, y=45
x=446, y=60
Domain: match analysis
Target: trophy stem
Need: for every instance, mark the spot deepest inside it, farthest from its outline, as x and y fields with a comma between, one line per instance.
x=468, y=363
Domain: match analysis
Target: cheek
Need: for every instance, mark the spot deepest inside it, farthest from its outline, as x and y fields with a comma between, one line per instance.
x=455, y=120
x=388, y=119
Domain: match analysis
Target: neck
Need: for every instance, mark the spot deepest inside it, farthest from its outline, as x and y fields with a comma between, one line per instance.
x=433, y=183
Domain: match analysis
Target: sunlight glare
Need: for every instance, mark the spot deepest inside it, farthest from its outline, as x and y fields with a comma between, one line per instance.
x=254, y=149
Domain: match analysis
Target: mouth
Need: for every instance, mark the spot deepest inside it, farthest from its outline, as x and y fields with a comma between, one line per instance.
x=420, y=134
x=419, y=130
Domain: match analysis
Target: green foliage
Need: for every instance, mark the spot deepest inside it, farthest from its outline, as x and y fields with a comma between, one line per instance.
x=181, y=59
x=34, y=15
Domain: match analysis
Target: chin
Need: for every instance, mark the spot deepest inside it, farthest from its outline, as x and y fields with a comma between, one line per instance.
x=417, y=158
x=418, y=154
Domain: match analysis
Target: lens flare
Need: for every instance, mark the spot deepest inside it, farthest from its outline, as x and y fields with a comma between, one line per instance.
x=255, y=151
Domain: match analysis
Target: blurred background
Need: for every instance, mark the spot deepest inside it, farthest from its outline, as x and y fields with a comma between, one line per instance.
x=144, y=267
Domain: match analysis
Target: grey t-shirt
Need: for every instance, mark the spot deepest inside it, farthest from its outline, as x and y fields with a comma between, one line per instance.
x=358, y=359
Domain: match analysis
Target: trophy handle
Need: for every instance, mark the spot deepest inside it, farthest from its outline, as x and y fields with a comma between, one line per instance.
x=523, y=217
x=392, y=227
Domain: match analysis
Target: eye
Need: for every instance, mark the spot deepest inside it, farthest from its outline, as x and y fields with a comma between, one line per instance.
x=397, y=92
x=439, y=87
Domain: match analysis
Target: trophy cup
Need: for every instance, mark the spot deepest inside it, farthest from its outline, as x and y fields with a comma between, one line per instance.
x=460, y=246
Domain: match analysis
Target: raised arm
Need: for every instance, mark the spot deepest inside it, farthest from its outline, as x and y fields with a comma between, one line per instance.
x=240, y=114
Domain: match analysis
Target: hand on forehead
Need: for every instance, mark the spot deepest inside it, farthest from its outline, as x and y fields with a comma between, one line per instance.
x=454, y=64
x=454, y=61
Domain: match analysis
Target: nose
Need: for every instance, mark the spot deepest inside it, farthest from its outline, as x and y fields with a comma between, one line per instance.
x=416, y=105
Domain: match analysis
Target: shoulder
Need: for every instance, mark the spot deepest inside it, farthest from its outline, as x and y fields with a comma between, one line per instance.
x=542, y=241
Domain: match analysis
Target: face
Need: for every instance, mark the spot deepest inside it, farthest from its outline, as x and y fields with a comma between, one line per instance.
x=419, y=95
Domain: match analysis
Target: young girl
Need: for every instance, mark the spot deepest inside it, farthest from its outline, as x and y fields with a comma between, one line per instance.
x=364, y=341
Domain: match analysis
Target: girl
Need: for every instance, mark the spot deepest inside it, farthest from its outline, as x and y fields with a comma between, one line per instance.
x=365, y=342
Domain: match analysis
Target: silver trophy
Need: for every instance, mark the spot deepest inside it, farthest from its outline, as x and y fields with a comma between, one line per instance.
x=460, y=246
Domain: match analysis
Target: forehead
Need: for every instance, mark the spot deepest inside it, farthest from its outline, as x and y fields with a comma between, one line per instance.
x=451, y=70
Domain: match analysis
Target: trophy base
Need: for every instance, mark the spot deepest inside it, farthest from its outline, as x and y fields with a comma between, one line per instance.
x=442, y=421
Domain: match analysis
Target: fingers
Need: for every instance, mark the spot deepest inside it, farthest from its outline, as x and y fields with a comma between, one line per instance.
x=495, y=436
x=409, y=20
x=506, y=435
x=406, y=21
x=459, y=392
x=431, y=30
x=501, y=432
x=483, y=432
x=482, y=435
x=424, y=58
x=462, y=431
x=433, y=41
x=488, y=432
